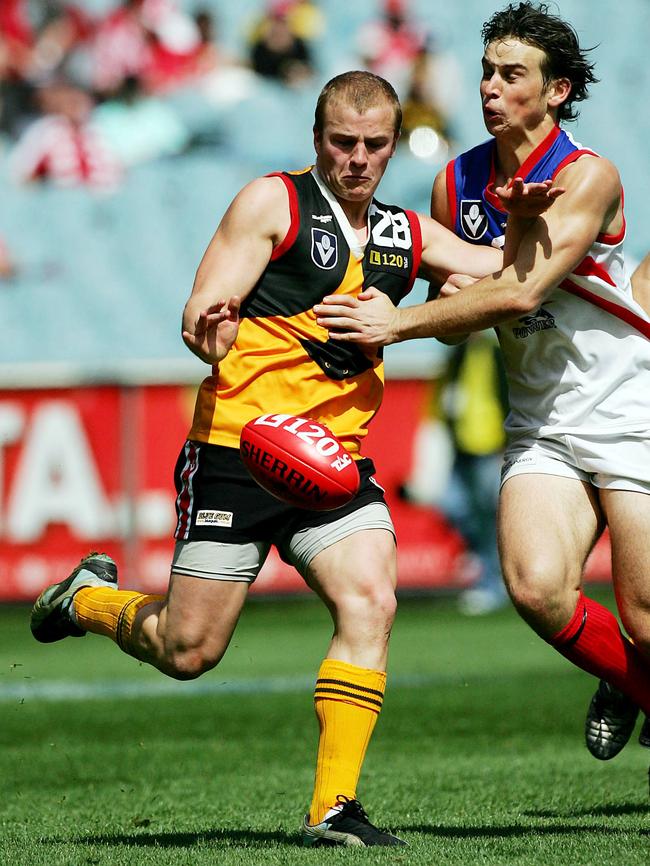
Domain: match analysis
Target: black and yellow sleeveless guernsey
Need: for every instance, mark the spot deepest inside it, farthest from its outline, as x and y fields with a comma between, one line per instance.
x=282, y=360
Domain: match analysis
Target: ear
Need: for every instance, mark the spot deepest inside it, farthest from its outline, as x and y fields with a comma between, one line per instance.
x=317, y=140
x=558, y=92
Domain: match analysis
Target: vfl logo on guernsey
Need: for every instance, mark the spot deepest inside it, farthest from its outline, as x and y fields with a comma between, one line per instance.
x=473, y=219
x=542, y=320
x=323, y=249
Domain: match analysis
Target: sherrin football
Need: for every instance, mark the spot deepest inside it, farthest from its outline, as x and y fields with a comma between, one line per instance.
x=299, y=461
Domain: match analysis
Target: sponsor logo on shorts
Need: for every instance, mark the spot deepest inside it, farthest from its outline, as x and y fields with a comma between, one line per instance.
x=542, y=320
x=526, y=459
x=214, y=518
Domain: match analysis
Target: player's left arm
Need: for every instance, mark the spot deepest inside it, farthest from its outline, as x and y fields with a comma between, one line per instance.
x=444, y=253
x=549, y=251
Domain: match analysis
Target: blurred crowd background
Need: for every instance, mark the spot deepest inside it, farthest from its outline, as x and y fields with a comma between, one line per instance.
x=126, y=126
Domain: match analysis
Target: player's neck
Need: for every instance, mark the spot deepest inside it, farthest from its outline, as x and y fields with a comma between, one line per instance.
x=353, y=214
x=356, y=213
x=515, y=148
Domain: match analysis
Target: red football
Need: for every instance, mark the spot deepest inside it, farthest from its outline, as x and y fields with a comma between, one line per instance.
x=299, y=461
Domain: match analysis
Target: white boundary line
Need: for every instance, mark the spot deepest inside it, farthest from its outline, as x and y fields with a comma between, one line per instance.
x=65, y=690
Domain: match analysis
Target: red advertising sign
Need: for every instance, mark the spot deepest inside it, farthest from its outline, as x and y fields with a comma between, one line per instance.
x=91, y=469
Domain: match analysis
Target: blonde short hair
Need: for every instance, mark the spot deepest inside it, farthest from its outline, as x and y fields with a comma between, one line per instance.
x=360, y=90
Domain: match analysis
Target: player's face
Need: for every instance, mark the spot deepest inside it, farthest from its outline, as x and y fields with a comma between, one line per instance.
x=513, y=93
x=353, y=149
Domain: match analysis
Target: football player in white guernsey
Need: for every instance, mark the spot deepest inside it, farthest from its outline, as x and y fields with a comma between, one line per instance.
x=576, y=343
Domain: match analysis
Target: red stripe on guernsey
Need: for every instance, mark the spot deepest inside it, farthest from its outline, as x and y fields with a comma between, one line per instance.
x=524, y=169
x=416, y=236
x=533, y=158
x=571, y=157
x=451, y=192
x=590, y=268
x=493, y=198
x=290, y=236
x=185, y=498
x=615, y=309
x=612, y=240
x=490, y=195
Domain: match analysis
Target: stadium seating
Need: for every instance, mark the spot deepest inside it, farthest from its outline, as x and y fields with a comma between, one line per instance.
x=104, y=276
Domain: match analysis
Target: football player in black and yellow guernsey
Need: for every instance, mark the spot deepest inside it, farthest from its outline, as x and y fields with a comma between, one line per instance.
x=286, y=241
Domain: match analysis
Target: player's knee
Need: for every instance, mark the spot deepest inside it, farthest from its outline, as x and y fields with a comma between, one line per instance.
x=189, y=662
x=536, y=591
x=369, y=599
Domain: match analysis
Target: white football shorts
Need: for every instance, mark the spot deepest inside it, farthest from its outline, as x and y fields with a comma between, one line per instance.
x=612, y=461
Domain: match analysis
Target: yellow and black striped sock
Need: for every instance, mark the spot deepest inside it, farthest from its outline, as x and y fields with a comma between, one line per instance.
x=347, y=701
x=110, y=612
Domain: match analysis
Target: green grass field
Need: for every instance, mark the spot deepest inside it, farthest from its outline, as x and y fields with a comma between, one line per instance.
x=477, y=758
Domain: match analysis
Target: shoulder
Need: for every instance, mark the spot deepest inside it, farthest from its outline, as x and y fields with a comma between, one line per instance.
x=263, y=192
x=593, y=174
x=261, y=199
x=261, y=208
x=592, y=204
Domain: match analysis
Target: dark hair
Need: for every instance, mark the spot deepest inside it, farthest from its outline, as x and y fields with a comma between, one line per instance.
x=360, y=90
x=533, y=24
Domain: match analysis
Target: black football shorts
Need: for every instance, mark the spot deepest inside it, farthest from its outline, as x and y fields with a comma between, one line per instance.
x=217, y=500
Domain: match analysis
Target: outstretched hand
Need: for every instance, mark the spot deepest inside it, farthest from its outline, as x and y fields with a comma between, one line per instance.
x=215, y=331
x=528, y=200
x=369, y=320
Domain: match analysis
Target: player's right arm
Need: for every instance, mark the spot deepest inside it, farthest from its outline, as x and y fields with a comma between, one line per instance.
x=256, y=221
x=554, y=245
x=549, y=251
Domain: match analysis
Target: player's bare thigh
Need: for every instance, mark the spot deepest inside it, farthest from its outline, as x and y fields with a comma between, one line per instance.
x=547, y=526
x=190, y=631
x=203, y=612
x=356, y=579
x=628, y=518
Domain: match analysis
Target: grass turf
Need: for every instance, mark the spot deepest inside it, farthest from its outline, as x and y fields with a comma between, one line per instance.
x=477, y=758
